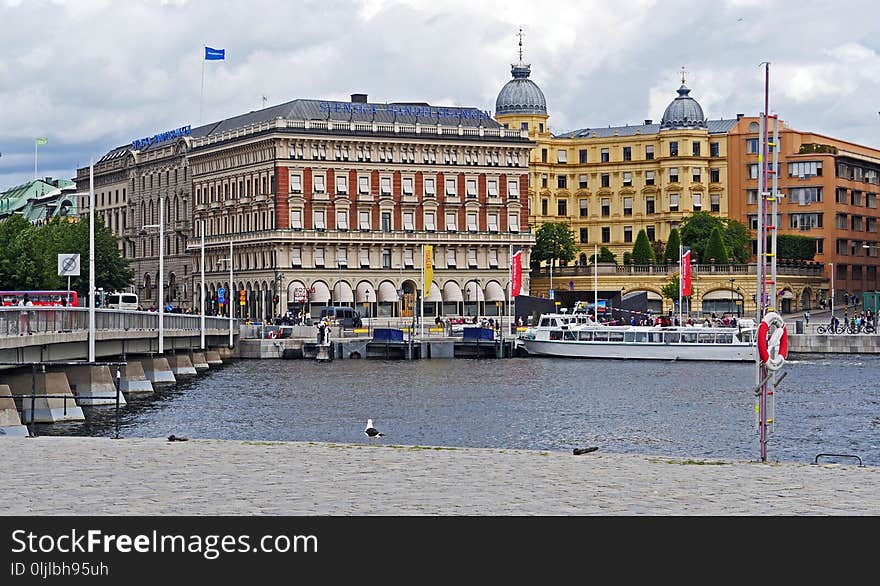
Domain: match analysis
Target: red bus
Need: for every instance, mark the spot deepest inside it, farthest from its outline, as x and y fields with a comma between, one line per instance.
x=41, y=298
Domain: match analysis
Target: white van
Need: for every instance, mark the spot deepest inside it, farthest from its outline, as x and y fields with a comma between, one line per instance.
x=122, y=301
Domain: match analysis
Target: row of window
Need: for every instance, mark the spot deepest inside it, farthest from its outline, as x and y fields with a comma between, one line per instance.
x=261, y=184
x=605, y=234
x=856, y=248
x=627, y=178
x=407, y=186
x=450, y=260
x=626, y=153
x=808, y=195
x=650, y=205
x=404, y=154
x=112, y=198
x=844, y=272
x=408, y=220
x=149, y=177
x=856, y=173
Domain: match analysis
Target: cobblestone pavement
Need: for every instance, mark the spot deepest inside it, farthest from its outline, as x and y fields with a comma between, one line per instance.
x=101, y=476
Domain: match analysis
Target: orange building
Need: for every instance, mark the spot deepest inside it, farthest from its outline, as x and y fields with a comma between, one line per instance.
x=828, y=191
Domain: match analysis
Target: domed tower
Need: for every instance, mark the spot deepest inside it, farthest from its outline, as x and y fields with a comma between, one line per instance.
x=521, y=103
x=683, y=111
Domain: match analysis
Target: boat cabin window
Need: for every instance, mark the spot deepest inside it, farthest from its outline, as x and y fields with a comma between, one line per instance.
x=615, y=336
x=555, y=334
x=545, y=322
x=746, y=337
x=657, y=337
x=585, y=336
x=689, y=337
x=707, y=337
x=670, y=337
x=629, y=336
x=641, y=337
x=600, y=336
x=571, y=335
x=724, y=338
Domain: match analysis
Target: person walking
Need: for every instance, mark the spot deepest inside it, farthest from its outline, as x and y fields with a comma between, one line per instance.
x=807, y=317
x=24, y=319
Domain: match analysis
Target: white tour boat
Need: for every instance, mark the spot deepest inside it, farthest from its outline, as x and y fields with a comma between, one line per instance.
x=578, y=336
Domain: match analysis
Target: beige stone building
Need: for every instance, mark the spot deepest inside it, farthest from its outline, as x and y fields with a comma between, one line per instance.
x=333, y=203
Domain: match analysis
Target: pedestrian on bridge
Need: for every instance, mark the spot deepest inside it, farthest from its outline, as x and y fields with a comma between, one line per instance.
x=24, y=321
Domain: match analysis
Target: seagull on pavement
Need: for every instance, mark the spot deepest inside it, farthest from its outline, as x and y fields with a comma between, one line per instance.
x=372, y=431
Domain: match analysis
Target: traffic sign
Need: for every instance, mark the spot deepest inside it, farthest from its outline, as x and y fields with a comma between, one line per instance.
x=221, y=295
x=68, y=265
x=552, y=294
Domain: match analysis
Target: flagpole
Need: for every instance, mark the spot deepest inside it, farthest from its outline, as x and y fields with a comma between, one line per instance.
x=35, y=159
x=596, y=282
x=680, y=285
x=202, y=95
x=510, y=302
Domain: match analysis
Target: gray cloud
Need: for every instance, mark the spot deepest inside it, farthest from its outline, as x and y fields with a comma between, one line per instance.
x=94, y=74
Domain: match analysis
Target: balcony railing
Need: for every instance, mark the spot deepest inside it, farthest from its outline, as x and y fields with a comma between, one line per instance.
x=813, y=270
x=15, y=321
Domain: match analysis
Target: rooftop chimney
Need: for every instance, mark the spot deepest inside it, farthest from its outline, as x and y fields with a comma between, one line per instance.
x=358, y=98
x=738, y=116
x=648, y=121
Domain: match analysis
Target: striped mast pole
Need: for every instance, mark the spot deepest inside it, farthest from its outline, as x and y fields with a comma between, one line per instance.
x=761, y=268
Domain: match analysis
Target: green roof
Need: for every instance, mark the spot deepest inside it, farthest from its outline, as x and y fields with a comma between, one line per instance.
x=39, y=199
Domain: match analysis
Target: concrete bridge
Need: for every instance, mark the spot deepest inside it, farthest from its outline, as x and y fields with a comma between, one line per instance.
x=42, y=380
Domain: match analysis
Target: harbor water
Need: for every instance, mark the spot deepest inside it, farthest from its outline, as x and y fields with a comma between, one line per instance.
x=827, y=404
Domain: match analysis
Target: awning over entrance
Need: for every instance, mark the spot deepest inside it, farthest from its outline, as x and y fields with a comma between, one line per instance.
x=722, y=295
x=452, y=292
x=786, y=294
x=434, y=294
x=342, y=293
x=296, y=292
x=387, y=292
x=365, y=292
x=473, y=291
x=494, y=292
x=321, y=294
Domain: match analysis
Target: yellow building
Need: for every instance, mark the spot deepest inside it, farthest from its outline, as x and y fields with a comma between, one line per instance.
x=611, y=182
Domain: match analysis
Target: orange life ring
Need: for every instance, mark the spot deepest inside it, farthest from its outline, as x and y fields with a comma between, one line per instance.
x=778, y=341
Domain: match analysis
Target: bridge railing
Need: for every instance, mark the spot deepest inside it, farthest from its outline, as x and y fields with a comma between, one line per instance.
x=19, y=321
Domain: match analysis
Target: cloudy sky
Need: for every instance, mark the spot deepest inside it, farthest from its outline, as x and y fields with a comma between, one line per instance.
x=94, y=74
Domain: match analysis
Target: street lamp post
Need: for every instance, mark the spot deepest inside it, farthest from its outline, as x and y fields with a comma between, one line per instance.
x=732, y=281
x=229, y=292
x=831, y=264
x=161, y=228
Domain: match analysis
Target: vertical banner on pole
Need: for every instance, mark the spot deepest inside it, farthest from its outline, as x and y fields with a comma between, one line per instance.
x=516, y=273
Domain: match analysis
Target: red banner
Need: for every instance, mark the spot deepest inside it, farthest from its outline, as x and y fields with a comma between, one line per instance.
x=516, y=273
x=686, y=274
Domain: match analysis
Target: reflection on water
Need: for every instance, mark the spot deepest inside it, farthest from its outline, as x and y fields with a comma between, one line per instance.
x=826, y=404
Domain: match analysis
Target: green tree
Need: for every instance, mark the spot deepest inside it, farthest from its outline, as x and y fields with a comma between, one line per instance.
x=605, y=256
x=696, y=230
x=659, y=248
x=643, y=253
x=795, y=247
x=715, y=250
x=738, y=241
x=554, y=241
x=670, y=289
x=26, y=267
x=672, y=247
x=10, y=230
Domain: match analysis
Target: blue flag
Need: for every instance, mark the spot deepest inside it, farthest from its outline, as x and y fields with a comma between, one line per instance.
x=214, y=54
